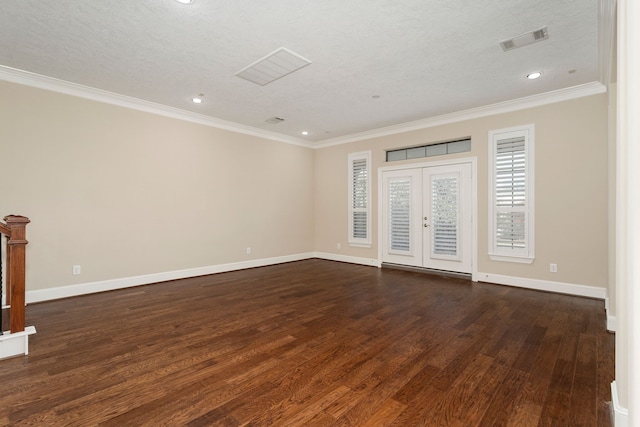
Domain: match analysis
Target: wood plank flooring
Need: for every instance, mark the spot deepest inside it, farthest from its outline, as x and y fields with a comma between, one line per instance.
x=313, y=343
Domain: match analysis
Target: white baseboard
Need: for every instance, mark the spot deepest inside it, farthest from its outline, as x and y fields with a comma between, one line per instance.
x=127, y=282
x=620, y=414
x=349, y=259
x=611, y=319
x=543, y=285
x=521, y=282
x=612, y=322
x=15, y=344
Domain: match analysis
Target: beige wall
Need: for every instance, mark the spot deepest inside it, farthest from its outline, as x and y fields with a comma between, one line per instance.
x=125, y=193
x=570, y=188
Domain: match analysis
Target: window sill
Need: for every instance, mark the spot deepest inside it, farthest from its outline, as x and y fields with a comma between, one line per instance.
x=506, y=258
x=360, y=245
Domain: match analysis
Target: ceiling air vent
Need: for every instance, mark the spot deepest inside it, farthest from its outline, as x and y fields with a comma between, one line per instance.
x=525, y=39
x=275, y=120
x=275, y=65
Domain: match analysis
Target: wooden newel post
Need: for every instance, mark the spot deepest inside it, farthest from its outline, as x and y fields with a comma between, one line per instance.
x=16, y=265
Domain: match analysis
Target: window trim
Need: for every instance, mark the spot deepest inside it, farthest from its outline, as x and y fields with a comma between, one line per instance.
x=527, y=255
x=446, y=145
x=354, y=241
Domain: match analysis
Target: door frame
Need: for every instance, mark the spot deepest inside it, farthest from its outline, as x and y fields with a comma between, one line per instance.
x=473, y=161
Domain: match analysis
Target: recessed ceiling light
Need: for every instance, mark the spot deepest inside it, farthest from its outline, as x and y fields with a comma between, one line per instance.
x=196, y=100
x=534, y=76
x=304, y=132
x=185, y=1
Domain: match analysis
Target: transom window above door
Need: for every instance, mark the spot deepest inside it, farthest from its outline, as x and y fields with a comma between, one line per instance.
x=430, y=150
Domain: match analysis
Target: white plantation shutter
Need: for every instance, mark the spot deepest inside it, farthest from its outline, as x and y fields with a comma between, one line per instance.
x=359, y=178
x=444, y=216
x=510, y=188
x=359, y=195
x=359, y=225
x=512, y=194
x=400, y=214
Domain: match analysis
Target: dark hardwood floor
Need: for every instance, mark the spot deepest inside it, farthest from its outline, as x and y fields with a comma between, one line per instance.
x=313, y=343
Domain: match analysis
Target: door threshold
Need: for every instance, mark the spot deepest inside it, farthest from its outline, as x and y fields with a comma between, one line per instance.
x=434, y=271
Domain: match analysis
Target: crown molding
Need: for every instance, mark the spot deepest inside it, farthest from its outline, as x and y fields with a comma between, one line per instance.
x=56, y=85
x=39, y=81
x=560, y=95
x=606, y=39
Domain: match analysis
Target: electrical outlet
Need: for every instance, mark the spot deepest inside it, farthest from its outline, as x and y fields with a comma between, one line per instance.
x=339, y=246
x=553, y=268
x=248, y=251
x=76, y=270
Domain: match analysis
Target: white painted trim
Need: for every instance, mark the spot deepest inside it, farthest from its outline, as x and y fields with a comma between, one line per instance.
x=473, y=161
x=515, y=255
x=379, y=214
x=560, y=95
x=127, y=282
x=620, y=414
x=359, y=245
x=351, y=158
x=520, y=282
x=60, y=86
x=520, y=259
x=15, y=344
x=543, y=285
x=606, y=37
x=611, y=319
x=628, y=154
x=350, y=259
x=427, y=164
x=612, y=322
x=474, y=219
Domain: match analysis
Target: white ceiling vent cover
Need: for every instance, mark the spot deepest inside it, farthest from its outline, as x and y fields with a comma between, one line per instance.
x=525, y=39
x=273, y=66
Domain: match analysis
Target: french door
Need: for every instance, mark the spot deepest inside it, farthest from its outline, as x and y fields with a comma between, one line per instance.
x=426, y=217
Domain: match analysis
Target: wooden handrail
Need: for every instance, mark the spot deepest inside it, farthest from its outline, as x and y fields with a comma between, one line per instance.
x=16, y=229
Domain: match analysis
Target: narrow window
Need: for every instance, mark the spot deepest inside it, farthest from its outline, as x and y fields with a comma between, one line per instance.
x=359, y=198
x=430, y=150
x=511, y=225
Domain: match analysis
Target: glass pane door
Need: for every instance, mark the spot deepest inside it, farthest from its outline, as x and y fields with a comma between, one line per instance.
x=447, y=219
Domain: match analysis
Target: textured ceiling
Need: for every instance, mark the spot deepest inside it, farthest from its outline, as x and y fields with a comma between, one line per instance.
x=375, y=63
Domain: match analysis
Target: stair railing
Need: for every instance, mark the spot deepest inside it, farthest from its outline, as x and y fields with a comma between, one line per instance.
x=14, y=227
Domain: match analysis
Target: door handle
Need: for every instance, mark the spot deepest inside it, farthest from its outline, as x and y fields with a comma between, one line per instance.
x=426, y=225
